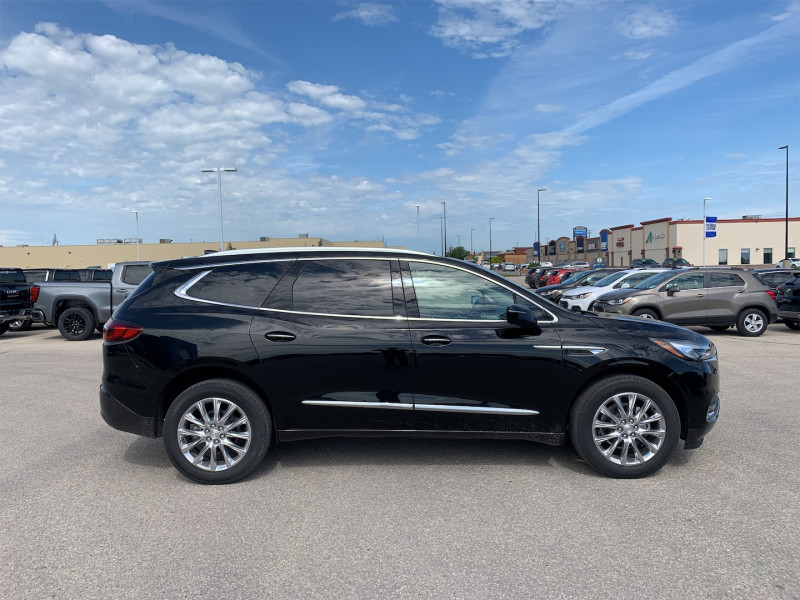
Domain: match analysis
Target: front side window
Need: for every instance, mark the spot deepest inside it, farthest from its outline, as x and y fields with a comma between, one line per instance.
x=443, y=292
x=724, y=280
x=688, y=281
x=355, y=287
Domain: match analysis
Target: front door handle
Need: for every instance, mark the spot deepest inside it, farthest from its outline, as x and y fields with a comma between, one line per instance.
x=279, y=336
x=436, y=340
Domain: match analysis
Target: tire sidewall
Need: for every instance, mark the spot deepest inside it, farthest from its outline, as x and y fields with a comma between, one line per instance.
x=88, y=319
x=645, y=313
x=252, y=406
x=582, y=418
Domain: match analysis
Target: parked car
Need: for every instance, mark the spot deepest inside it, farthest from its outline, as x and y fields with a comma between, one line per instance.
x=793, y=263
x=772, y=278
x=15, y=298
x=542, y=278
x=582, y=298
x=509, y=267
x=714, y=297
x=578, y=264
x=576, y=279
x=788, y=302
x=646, y=263
x=557, y=276
x=78, y=308
x=532, y=275
x=675, y=263
x=219, y=354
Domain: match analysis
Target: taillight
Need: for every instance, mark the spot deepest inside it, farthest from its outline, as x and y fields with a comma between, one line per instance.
x=34, y=293
x=117, y=331
x=771, y=295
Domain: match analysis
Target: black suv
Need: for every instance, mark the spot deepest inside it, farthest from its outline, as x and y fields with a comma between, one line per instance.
x=788, y=299
x=220, y=353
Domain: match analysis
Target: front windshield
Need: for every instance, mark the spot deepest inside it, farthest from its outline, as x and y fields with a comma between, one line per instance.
x=609, y=279
x=594, y=278
x=654, y=281
x=576, y=276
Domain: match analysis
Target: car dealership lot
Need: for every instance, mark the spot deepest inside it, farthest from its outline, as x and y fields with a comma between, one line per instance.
x=90, y=512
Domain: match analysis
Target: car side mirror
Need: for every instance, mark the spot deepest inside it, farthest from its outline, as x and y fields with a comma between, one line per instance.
x=625, y=286
x=522, y=317
x=673, y=290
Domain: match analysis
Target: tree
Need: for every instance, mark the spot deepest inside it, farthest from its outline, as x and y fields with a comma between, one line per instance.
x=458, y=252
x=495, y=260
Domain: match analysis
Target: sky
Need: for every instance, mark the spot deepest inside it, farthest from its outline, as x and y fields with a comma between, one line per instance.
x=382, y=120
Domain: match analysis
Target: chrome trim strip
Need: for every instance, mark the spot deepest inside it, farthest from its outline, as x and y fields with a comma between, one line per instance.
x=181, y=293
x=547, y=348
x=346, y=404
x=312, y=314
x=310, y=256
x=589, y=349
x=475, y=409
x=425, y=407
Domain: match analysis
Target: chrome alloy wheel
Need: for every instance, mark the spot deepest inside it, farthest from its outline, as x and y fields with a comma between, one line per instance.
x=629, y=429
x=214, y=434
x=754, y=322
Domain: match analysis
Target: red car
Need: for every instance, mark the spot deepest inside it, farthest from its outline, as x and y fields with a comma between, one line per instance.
x=558, y=276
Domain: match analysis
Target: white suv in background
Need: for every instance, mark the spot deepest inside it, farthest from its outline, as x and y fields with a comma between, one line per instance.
x=582, y=298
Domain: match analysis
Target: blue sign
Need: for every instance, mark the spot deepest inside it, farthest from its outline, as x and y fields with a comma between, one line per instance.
x=604, y=241
x=579, y=244
x=536, y=248
x=579, y=232
x=711, y=227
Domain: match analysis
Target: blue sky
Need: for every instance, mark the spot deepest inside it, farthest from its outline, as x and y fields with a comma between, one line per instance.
x=342, y=117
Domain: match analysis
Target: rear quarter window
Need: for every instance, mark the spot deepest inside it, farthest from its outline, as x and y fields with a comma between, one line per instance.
x=724, y=280
x=241, y=285
x=135, y=274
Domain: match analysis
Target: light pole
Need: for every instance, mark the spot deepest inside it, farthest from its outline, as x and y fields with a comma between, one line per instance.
x=538, y=226
x=704, y=229
x=417, y=227
x=444, y=222
x=136, y=212
x=471, y=254
x=218, y=171
x=441, y=235
x=786, y=248
x=490, y=241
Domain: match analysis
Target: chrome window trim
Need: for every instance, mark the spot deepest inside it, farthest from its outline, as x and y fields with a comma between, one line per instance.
x=313, y=314
x=292, y=259
x=425, y=407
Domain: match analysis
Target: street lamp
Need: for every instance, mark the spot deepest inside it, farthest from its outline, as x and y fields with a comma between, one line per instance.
x=444, y=222
x=441, y=234
x=471, y=254
x=786, y=249
x=538, y=227
x=704, y=229
x=417, y=227
x=490, y=241
x=136, y=212
x=218, y=171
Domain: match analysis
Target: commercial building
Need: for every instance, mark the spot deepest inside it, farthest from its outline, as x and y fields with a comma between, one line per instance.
x=105, y=252
x=750, y=240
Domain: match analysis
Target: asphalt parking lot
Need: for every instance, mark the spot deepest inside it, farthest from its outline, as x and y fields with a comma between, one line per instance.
x=91, y=512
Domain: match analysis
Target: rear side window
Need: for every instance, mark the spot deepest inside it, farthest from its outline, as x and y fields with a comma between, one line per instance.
x=345, y=287
x=35, y=275
x=135, y=274
x=724, y=280
x=242, y=285
x=66, y=276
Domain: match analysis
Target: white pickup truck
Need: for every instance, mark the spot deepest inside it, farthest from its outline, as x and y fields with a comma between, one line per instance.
x=79, y=308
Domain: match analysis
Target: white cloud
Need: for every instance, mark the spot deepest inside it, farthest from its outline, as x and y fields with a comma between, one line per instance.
x=548, y=108
x=646, y=23
x=372, y=15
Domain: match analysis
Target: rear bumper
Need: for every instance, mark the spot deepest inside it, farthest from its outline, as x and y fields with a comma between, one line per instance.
x=123, y=418
x=789, y=315
x=22, y=314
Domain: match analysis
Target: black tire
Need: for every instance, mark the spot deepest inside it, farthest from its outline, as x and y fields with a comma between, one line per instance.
x=76, y=324
x=751, y=322
x=224, y=454
x=19, y=325
x=3, y=328
x=792, y=325
x=642, y=442
x=645, y=313
x=719, y=327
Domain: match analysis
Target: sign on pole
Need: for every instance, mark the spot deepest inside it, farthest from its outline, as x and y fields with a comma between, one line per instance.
x=711, y=227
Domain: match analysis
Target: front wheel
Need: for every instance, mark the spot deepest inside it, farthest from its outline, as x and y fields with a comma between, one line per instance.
x=752, y=322
x=792, y=325
x=645, y=313
x=76, y=324
x=625, y=426
x=217, y=431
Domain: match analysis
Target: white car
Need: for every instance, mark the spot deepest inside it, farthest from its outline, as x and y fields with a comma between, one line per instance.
x=793, y=263
x=582, y=298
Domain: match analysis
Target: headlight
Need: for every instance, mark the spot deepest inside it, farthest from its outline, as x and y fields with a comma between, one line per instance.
x=688, y=350
x=579, y=296
x=616, y=301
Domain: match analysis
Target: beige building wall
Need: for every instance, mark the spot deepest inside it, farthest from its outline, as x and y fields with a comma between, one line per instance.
x=81, y=257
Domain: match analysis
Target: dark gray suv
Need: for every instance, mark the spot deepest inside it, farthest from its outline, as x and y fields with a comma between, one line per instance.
x=715, y=297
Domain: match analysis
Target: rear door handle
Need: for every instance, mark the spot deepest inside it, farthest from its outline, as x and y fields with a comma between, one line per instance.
x=279, y=336
x=436, y=340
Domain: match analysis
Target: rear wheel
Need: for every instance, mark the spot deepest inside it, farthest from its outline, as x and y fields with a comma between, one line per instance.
x=3, y=328
x=751, y=322
x=76, y=323
x=217, y=431
x=719, y=327
x=625, y=426
x=792, y=325
x=645, y=313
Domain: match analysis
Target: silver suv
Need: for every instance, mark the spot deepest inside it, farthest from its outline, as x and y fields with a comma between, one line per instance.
x=715, y=297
